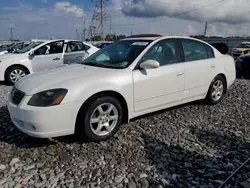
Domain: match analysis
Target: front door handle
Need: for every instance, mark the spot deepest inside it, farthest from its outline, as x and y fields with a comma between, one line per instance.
x=179, y=73
x=57, y=58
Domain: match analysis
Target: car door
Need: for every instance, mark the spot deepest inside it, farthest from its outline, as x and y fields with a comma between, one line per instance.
x=48, y=56
x=199, y=68
x=163, y=86
x=75, y=52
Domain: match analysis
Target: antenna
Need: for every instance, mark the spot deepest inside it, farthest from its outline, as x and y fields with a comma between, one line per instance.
x=99, y=18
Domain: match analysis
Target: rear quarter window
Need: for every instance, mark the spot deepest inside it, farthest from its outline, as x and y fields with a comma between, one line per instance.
x=210, y=52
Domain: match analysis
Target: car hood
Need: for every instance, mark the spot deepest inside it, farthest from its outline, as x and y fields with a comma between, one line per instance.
x=61, y=77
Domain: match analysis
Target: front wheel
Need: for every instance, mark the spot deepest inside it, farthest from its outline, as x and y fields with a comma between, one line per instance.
x=102, y=119
x=14, y=74
x=216, y=90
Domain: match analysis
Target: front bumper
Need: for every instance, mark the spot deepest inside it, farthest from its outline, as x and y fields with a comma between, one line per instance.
x=44, y=122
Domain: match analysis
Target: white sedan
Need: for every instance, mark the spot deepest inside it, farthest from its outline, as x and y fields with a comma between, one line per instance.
x=50, y=54
x=127, y=79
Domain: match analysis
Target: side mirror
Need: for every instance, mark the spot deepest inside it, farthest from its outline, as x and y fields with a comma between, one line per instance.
x=32, y=53
x=150, y=64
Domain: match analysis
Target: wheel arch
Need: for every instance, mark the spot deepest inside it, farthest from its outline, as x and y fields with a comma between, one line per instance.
x=225, y=79
x=111, y=93
x=15, y=65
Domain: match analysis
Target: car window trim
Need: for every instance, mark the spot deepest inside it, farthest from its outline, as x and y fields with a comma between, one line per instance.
x=49, y=44
x=205, y=45
x=68, y=43
x=137, y=67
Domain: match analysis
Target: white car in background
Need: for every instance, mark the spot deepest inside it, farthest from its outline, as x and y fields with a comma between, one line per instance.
x=50, y=54
x=129, y=78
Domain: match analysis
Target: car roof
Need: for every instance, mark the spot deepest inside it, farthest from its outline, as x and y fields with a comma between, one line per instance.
x=142, y=37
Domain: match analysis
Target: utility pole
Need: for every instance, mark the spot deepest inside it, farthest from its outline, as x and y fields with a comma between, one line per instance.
x=100, y=20
x=11, y=34
x=205, y=32
x=102, y=31
x=76, y=34
x=84, y=30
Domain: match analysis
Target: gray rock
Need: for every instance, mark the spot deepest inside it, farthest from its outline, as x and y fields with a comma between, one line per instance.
x=131, y=184
x=43, y=177
x=119, y=178
x=164, y=181
x=144, y=182
x=2, y=167
x=11, y=184
x=126, y=180
x=18, y=186
x=14, y=161
x=2, y=181
x=143, y=175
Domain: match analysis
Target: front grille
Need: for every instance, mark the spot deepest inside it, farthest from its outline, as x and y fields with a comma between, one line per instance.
x=17, y=96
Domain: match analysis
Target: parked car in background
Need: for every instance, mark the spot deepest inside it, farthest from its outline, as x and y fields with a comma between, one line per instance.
x=95, y=97
x=243, y=66
x=221, y=47
x=23, y=50
x=102, y=44
x=4, y=47
x=241, y=49
x=46, y=55
x=14, y=48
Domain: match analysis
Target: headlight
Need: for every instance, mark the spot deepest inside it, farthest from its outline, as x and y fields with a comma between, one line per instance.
x=48, y=98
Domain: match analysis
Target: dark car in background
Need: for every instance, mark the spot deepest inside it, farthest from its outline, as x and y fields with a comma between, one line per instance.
x=242, y=65
x=102, y=44
x=221, y=47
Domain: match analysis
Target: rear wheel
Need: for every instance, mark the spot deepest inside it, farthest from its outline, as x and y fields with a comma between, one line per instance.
x=14, y=74
x=101, y=120
x=216, y=90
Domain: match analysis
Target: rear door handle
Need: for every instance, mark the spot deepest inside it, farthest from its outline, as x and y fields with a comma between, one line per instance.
x=212, y=66
x=179, y=73
x=79, y=57
x=57, y=58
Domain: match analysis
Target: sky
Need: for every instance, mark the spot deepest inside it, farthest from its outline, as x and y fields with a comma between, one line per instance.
x=43, y=19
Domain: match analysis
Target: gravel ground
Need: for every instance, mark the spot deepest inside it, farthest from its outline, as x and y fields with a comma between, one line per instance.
x=194, y=145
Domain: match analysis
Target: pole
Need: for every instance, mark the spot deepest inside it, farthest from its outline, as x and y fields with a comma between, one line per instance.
x=205, y=32
x=11, y=34
x=102, y=32
x=84, y=30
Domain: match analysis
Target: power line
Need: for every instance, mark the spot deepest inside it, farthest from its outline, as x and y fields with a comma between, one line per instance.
x=176, y=15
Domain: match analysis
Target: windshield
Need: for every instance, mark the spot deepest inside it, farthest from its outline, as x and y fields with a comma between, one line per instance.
x=29, y=47
x=117, y=55
x=243, y=46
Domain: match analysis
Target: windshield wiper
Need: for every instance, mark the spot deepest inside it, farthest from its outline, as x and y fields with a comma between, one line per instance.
x=101, y=65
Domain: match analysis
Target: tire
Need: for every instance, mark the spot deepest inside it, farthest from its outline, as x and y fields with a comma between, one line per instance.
x=17, y=71
x=101, y=128
x=219, y=83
